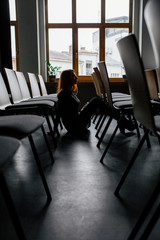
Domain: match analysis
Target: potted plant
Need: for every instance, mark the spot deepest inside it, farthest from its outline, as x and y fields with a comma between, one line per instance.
x=52, y=71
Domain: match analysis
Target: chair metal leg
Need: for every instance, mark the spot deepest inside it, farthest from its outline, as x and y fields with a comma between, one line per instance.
x=95, y=117
x=51, y=130
x=145, y=213
x=49, y=198
x=100, y=126
x=137, y=128
x=11, y=208
x=47, y=143
x=151, y=224
x=147, y=138
x=109, y=143
x=131, y=163
x=55, y=123
x=99, y=120
x=104, y=131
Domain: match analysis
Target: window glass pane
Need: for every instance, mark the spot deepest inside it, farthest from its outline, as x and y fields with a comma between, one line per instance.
x=13, y=47
x=112, y=57
x=60, y=48
x=88, y=11
x=12, y=8
x=59, y=11
x=88, y=50
x=118, y=14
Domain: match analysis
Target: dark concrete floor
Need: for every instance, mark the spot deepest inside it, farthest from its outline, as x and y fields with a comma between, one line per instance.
x=84, y=206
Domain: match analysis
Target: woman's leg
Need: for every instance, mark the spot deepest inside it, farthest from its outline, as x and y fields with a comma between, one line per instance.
x=89, y=109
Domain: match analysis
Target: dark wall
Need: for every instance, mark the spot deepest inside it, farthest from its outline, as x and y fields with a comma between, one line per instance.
x=5, y=37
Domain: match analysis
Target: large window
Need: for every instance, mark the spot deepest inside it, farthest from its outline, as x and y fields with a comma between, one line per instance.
x=14, y=35
x=80, y=33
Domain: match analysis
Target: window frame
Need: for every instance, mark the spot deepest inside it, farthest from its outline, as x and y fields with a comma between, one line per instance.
x=15, y=25
x=75, y=26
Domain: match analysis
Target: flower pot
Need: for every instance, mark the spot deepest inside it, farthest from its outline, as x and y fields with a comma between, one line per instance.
x=52, y=78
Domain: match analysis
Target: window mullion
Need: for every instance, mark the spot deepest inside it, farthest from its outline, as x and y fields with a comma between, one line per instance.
x=102, y=32
x=74, y=38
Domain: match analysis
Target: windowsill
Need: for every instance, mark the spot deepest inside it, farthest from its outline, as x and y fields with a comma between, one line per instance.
x=112, y=83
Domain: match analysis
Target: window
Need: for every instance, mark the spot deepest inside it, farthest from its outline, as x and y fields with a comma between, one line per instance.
x=14, y=34
x=80, y=33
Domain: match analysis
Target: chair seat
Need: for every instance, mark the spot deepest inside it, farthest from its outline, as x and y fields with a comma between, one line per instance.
x=43, y=98
x=8, y=147
x=119, y=94
x=32, y=104
x=123, y=104
x=117, y=99
x=16, y=125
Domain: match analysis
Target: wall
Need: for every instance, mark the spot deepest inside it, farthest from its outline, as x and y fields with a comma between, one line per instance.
x=28, y=36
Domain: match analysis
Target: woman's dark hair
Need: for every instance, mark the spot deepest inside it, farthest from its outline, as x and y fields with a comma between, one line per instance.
x=66, y=81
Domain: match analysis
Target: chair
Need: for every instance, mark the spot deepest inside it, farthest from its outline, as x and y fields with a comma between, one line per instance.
x=154, y=216
x=22, y=126
x=158, y=80
x=142, y=107
x=44, y=90
x=23, y=104
x=101, y=94
x=152, y=18
x=118, y=109
x=104, y=88
x=35, y=91
x=53, y=96
x=152, y=83
x=5, y=156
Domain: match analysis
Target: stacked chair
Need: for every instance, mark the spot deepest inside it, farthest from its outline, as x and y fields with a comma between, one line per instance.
x=143, y=112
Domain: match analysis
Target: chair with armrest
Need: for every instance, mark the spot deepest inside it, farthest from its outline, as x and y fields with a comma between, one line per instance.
x=142, y=107
x=11, y=144
x=44, y=107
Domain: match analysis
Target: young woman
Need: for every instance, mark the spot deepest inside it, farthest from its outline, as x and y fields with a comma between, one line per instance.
x=75, y=121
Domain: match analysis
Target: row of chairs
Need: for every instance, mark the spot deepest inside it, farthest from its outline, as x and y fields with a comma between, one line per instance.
x=146, y=111
x=20, y=117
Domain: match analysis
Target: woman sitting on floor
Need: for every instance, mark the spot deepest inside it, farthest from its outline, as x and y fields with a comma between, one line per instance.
x=75, y=121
